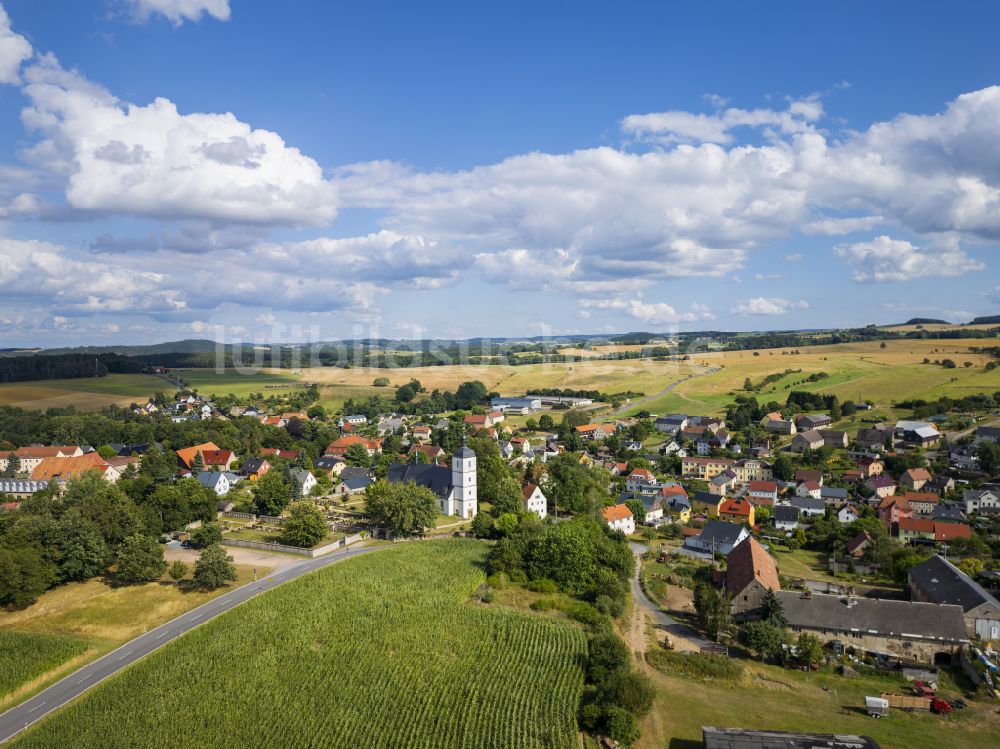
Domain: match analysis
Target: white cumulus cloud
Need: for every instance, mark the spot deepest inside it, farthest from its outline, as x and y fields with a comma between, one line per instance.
x=887, y=259
x=767, y=306
x=14, y=50
x=179, y=11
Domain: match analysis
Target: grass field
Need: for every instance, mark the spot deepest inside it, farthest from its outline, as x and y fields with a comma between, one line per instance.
x=857, y=371
x=212, y=383
x=769, y=697
x=25, y=656
x=99, y=616
x=357, y=654
x=86, y=393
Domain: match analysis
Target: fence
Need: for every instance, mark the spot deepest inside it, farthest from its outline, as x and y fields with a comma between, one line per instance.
x=240, y=516
x=283, y=549
x=270, y=519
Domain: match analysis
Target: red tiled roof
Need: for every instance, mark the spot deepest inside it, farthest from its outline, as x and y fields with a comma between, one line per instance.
x=735, y=507
x=616, y=512
x=948, y=531
x=747, y=562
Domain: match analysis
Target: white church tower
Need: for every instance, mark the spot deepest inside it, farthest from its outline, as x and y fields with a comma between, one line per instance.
x=464, y=501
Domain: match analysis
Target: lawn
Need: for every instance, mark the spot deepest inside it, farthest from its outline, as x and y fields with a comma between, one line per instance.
x=99, y=616
x=769, y=697
x=84, y=393
x=383, y=650
x=25, y=656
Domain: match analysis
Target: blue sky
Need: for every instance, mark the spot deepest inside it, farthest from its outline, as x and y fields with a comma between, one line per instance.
x=177, y=168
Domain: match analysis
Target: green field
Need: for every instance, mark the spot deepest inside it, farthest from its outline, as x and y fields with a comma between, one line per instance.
x=25, y=656
x=212, y=383
x=385, y=650
x=85, y=393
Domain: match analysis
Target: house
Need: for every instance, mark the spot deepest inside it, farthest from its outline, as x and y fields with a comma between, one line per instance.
x=275, y=452
x=342, y=444
x=421, y=433
x=329, y=464
x=915, y=478
x=847, y=514
x=762, y=492
x=306, y=480
x=811, y=506
x=780, y=426
x=455, y=487
x=355, y=419
x=741, y=738
x=938, y=581
x=704, y=468
x=520, y=445
x=30, y=457
x=706, y=503
x=221, y=459
x=670, y=424
x=808, y=474
x=809, y=489
x=950, y=512
x=881, y=486
x=987, y=434
x=534, y=500
x=786, y=517
x=254, y=468
x=20, y=488
x=834, y=496
x=924, y=632
x=478, y=421
x=872, y=439
x=750, y=574
x=751, y=469
x=216, y=481
x=857, y=546
x=737, y=511
x=433, y=453
x=722, y=483
x=717, y=537
x=920, y=433
x=892, y=508
x=64, y=469
x=639, y=480
x=807, y=422
x=186, y=456
x=675, y=506
x=834, y=438
x=353, y=485
x=940, y=485
x=945, y=532
x=981, y=501
x=922, y=503
x=672, y=447
x=593, y=431
x=619, y=518
x=870, y=466
x=910, y=529
x=808, y=440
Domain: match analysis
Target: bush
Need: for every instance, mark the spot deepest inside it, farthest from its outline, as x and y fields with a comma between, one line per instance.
x=206, y=535
x=543, y=604
x=543, y=585
x=582, y=612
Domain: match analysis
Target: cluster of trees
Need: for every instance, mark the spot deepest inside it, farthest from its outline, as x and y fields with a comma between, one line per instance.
x=55, y=538
x=466, y=396
x=64, y=366
x=616, y=696
x=818, y=402
x=978, y=402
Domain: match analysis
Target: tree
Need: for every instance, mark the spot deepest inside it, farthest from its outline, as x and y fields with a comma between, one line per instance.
x=305, y=526
x=629, y=690
x=638, y=510
x=271, y=493
x=177, y=570
x=622, y=726
x=783, y=469
x=140, y=559
x=24, y=575
x=774, y=611
x=357, y=455
x=105, y=505
x=988, y=454
x=13, y=466
x=764, y=638
x=381, y=382
x=401, y=509
x=606, y=653
x=197, y=464
x=713, y=610
x=747, y=384
x=808, y=648
x=81, y=550
x=206, y=535
x=545, y=423
x=214, y=568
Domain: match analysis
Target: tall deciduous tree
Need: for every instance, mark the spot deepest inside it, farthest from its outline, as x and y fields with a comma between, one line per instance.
x=140, y=559
x=214, y=568
x=305, y=526
x=401, y=509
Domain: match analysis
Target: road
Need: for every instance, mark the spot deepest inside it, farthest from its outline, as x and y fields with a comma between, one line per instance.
x=667, y=389
x=18, y=718
x=677, y=630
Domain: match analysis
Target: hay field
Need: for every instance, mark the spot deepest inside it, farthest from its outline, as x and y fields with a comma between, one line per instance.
x=86, y=393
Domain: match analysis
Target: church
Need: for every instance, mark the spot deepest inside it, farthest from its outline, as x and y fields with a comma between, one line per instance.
x=455, y=488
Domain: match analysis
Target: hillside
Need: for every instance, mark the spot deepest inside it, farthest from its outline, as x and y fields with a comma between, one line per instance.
x=353, y=655
x=925, y=321
x=986, y=320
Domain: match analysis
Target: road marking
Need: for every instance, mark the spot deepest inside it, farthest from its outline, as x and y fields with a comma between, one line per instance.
x=36, y=707
x=83, y=679
x=161, y=635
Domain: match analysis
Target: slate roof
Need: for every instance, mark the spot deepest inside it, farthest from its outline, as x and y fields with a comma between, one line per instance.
x=881, y=617
x=942, y=582
x=785, y=513
x=720, y=532
x=435, y=478
x=356, y=483
x=833, y=492
x=209, y=479
x=807, y=503
x=740, y=738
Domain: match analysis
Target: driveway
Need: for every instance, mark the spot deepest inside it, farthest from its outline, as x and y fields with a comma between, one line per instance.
x=249, y=557
x=683, y=637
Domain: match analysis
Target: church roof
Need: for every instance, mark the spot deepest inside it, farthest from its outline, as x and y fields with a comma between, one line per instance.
x=435, y=478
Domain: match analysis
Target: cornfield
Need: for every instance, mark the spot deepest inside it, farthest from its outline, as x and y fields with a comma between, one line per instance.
x=25, y=656
x=379, y=651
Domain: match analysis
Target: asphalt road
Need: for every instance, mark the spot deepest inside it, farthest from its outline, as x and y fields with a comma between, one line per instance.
x=18, y=718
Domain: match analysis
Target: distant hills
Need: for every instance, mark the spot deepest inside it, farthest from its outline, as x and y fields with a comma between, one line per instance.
x=187, y=346
x=925, y=321
x=986, y=320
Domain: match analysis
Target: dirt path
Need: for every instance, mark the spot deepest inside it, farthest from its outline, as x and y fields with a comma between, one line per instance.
x=249, y=557
x=667, y=389
x=682, y=636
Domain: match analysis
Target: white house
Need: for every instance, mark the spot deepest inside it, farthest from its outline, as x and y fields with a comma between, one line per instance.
x=620, y=518
x=307, y=480
x=847, y=514
x=216, y=481
x=981, y=501
x=535, y=501
x=786, y=518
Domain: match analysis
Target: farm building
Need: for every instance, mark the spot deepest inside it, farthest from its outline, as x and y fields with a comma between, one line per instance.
x=750, y=573
x=939, y=581
x=922, y=632
x=739, y=738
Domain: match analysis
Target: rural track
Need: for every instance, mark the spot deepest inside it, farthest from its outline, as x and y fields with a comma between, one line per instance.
x=667, y=389
x=20, y=717
x=661, y=619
